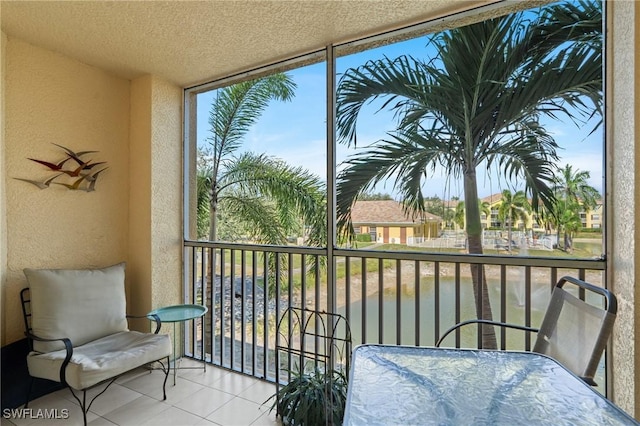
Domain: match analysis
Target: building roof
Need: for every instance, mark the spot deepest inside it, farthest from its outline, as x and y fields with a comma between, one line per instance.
x=493, y=198
x=387, y=212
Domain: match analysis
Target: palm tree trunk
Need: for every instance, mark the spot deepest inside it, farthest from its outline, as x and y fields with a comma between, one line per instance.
x=213, y=218
x=571, y=241
x=478, y=277
x=211, y=271
x=213, y=235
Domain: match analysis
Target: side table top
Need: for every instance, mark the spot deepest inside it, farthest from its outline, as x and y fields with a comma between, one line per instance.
x=176, y=313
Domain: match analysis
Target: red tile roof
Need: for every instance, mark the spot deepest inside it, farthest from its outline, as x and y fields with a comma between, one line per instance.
x=387, y=211
x=493, y=198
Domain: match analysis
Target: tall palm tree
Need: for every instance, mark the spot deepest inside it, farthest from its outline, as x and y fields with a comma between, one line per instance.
x=459, y=215
x=254, y=196
x=513, y=207
x=265, y=193
x=203, y=174
x=573, y=192
x=568, y=220
x=476, y=105
x=573, y=186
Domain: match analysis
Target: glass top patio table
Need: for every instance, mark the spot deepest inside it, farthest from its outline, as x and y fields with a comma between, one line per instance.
x=393, y=385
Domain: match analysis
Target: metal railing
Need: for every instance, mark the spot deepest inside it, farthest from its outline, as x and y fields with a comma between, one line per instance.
x=404, y=298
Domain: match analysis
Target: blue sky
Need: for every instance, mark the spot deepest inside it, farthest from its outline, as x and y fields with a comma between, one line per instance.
x=296, y=131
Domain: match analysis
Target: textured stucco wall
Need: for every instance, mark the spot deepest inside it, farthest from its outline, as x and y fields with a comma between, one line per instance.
x=166, y=190
x=636, y=137
x=139, y=271
x=3, y=210
x=155, y=245
x=51, y=98
x=623, y=190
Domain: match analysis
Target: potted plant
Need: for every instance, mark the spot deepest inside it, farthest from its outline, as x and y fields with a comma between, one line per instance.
x=312, y=398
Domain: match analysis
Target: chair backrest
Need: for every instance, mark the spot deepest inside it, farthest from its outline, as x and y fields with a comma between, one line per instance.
x=577, y=325
x=80, y=304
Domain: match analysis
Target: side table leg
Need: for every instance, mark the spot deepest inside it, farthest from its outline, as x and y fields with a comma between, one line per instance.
x=202, y=354
x=175, y=357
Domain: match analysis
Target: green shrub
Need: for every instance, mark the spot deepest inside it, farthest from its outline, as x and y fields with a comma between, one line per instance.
x=363, y=238
x=590, y=231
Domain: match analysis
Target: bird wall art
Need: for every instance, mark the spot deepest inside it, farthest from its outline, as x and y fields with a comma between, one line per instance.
x=73, y=171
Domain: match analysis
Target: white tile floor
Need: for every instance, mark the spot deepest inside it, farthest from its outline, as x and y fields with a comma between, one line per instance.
x=214, y=397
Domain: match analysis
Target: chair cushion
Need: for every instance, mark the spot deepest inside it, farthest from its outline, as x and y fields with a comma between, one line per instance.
x=101, y=359
x=80, y=304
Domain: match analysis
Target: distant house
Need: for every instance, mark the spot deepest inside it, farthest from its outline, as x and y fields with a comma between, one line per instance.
x=386, y=222
x=589, y=218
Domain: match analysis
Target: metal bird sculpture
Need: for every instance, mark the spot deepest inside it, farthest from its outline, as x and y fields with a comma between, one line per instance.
x=75, y=155
x=92, y=183
x=82, y=172
x=75, y=185
x=52, y=166
x=41, y=185
x=85, y=166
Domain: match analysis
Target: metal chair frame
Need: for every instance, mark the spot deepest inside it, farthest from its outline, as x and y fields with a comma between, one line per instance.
x=611, y=307
x=26, y=314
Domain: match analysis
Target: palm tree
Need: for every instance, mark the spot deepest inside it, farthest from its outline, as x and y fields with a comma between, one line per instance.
x=476, y=105
x=571, y=185
x=202, y=197
x=459, y=215
x=572, y=191
x=514, y=207
x=251, y=195
x=569, y=221
x=262, y=191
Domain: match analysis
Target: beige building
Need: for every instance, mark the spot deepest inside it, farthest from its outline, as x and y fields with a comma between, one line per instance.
x=387, y=222
x=591, y=219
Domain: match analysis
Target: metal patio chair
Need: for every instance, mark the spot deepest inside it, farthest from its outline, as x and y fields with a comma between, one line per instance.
x=573, y=331
x=76, y=324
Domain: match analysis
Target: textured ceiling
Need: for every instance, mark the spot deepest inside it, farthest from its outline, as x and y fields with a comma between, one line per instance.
x=189, y=42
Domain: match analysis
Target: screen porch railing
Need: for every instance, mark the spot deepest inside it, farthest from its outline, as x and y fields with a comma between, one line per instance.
x=403, y=297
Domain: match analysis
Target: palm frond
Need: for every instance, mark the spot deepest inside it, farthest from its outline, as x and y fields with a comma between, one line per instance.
x=260, y=216
x=237, y=107
x=477, y=102
x=394, y=80
x=405, y=157
x=298, y=197
x=573, y=187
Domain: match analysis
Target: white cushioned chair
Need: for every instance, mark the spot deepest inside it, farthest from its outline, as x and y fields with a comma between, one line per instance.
x=77, y=323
